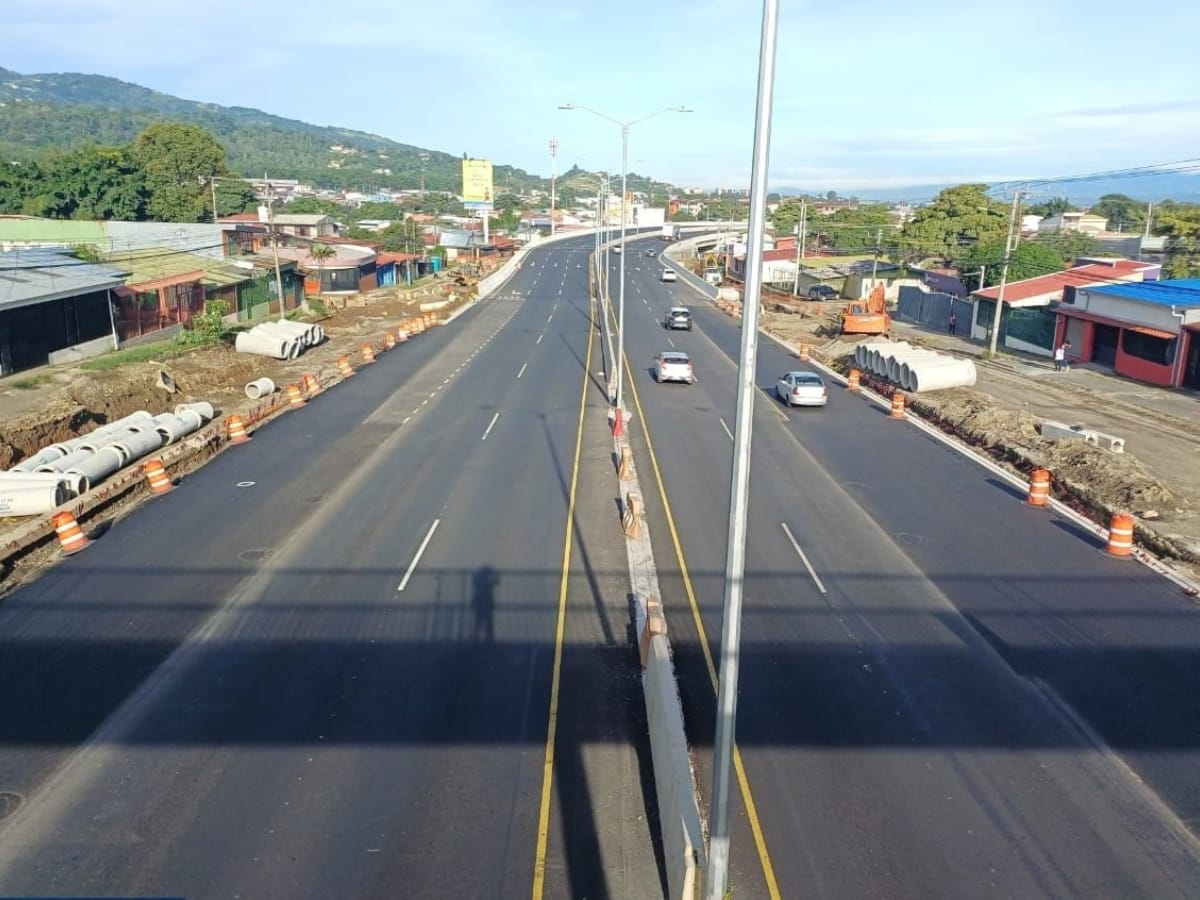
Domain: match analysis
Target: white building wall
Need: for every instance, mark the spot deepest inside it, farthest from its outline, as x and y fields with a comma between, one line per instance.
x=1151, y=315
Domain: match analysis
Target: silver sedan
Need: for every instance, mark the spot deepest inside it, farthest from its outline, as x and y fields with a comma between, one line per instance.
x=801, y=389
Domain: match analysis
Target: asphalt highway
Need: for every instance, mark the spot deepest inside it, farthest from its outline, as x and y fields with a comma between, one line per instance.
x=329, y=663
x=944, y=692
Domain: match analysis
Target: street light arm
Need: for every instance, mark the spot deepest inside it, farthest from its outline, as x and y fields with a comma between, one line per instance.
x=678, y=109
x=616, y=121
x=594, y=112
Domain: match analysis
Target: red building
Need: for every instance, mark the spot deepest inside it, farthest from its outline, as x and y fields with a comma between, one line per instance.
x=1148, y=331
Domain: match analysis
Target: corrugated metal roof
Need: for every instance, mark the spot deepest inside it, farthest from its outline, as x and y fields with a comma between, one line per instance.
x=40, y=274
x=48, y=231
x=1180, y=292
x=1053, y=285
x=147, y=266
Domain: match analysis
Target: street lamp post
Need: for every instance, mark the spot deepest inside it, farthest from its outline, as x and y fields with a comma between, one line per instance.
x=717, y=877
x=625, y=126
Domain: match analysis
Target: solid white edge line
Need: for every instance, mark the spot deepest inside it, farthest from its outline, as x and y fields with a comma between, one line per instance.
x=726, y=427
x=420, y=552
x=804, y=559
x=491, y=425
x=523, y=368
x=539, y=340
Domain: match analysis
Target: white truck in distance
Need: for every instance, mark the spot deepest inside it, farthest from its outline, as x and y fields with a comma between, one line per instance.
x=669, y=233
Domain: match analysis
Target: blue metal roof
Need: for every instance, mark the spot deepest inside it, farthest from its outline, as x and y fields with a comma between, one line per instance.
x=1180, y=292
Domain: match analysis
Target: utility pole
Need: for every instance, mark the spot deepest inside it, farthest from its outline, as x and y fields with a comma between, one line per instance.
x=800, y=245
x=1149, y=213
x=553, y=173
x=875, y=264
x=1008, y=245
x=717, y=880
x=424, y=158
x=212, y=183
x=275, y=248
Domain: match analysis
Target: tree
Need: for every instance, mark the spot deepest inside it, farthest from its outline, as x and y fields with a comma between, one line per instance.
x=1123, y=213
x=855, y=229
x=321, y=252
x=831, y=196
x=93, y=183
x=1180, y=222
x=1071, y=245
x=1053, y=207
x=178, y=162
x=959, y=219
x=18, y=183
x=787, y=216
x=235, y=196
x=1029, y=260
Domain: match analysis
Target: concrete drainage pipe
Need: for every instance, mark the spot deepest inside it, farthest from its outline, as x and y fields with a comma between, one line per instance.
x=9, y=480
x=192, y=420
x=262, y=387
x=137, y=444
x=261, y=345
x=205, y=409
x=172, y=428
x=898, y=362
x=43, y=457
x=97, y=467
x=910, y=366
x=31, y=499
x=936, y=378
x=63, y=463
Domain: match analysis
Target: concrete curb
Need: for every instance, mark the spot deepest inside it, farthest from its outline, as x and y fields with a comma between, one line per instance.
x=676, y=795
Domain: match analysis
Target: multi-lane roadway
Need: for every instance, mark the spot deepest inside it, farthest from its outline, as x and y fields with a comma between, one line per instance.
x=944, y=692
x=380, y=651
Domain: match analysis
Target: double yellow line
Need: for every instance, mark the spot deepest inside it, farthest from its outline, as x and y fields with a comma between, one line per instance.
x=760, y=841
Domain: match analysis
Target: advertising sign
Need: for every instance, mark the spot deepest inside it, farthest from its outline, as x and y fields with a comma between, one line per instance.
x=477, y=184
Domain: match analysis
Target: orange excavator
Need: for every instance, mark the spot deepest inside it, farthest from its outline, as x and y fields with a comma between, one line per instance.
x=868, y=316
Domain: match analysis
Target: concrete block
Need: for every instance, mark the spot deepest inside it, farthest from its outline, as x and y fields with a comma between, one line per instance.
x=1109, y=441
x=1057, y=431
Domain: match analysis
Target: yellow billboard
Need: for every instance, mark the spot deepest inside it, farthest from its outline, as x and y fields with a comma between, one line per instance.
x=477, y=183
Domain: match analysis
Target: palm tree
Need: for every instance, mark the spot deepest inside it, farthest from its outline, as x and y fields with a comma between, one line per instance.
x=321, y=252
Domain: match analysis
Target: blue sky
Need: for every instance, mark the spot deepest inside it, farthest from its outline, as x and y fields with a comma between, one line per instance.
x=869, y=94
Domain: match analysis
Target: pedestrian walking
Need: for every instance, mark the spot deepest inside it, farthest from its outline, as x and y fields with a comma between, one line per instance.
x=1066, y=360
x=952, y=322
x=1060, y=355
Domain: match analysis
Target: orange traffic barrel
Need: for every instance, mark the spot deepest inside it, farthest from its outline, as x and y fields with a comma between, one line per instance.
x=389, y=341
x=897, y=405
x=156, y=476
x=803, y=352
x=401, y=334
x=344, y=367
x=311, y=386
x=852, y=380
x=236, y=429
x=295, y=397
x=1120, y=535
x=70, y=535
x=1039, y=488
x=368, y=353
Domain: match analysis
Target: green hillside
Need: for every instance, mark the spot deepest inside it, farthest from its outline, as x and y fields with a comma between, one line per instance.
x=68, y=110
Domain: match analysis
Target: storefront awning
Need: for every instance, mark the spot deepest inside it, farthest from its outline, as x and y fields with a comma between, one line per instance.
x=1152, y=332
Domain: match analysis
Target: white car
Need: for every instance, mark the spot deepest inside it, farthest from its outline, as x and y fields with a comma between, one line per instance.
x=671, y=365
x=616, y=249
x=802, y=389
x=669, y=275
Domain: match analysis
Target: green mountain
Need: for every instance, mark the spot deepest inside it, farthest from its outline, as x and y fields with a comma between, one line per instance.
x=67, y=110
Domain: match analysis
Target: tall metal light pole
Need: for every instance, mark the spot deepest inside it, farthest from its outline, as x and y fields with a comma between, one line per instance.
x=553, y=154
x=275, y=248
x=625, y=126
x=1008, y=248
x=717, y=879
x=424, y=158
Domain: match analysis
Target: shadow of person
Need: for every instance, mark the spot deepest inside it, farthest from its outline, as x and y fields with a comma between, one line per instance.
x=483, y=601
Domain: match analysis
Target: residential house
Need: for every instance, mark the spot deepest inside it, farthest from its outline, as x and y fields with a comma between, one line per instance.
x=302, y=225
x=54, y=308
x=1028, y=321
x=1084, y=223
x=351, y=270
x=1146, y=331
x=164, y=290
